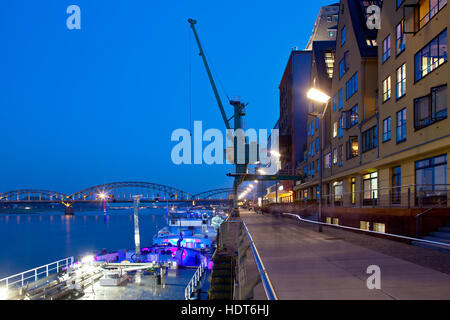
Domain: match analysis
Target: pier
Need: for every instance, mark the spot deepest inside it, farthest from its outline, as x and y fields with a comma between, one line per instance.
x=303, y=264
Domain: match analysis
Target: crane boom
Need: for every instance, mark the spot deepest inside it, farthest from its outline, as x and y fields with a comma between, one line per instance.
x=239, y=112
x=211, y=79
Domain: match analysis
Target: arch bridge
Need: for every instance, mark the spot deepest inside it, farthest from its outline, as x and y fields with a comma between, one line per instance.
x=115, y=192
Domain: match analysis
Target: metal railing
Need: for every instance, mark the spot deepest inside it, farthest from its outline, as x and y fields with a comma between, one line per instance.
x=410, y=196
x=368, y=231
x=192, y=285
x=19, y=280
x=268, y=287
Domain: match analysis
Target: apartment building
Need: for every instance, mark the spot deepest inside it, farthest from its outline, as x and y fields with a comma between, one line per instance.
x=325, y=27
x=388, y=135
x=414, y=131
x=352, y=108
x=294, y=105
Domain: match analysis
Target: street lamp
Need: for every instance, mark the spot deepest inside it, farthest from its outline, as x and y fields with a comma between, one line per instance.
x=320, y=97
x=103, y=196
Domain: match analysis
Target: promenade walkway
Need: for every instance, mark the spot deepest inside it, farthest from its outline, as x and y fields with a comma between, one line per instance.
x=304, y=264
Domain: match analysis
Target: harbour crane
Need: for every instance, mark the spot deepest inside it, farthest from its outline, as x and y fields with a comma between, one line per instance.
x=239, y=113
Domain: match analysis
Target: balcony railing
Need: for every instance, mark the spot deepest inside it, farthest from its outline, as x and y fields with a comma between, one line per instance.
x=411, y=196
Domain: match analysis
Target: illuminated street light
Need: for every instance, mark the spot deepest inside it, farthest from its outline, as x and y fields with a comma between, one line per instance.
x=275, y=154
x=87, y=259
x=318, y=96
x=261, y=171
x=102, y=195
x=281, y=188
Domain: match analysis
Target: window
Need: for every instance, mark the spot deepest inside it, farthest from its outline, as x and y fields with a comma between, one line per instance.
x=335, y=129
x=369, y=139
x=431, y=180
x=396, y=185
x=401, y=126
x=431, y=56
x=341, y=99
x=387, y=89
x=341, y=127
x=401, y=81
x=379, y=227
x=371, y=42
x=344, y=65
x=352, y=148
x=352, y=86
x=318, y=166
x=317, y=123
x=338, y=191
x=354, y=116
x=327, y=161
x=386, y=48
x=400, y=40
x=364, y=225
x=317, y=145
x=370, y=188
x=336, y=221
x=431, y=108
x=353, y=189
x=335, y=156
x=343, y=36
x=387, y=129
x=341, y=155
x=428, y=9
x=328, y=220
x=334, y=103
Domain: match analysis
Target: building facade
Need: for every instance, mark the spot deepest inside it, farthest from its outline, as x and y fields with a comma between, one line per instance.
x=387, y=139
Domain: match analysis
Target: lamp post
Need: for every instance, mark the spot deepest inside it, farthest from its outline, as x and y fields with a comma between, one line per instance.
x=320, y=97
x=137, y=238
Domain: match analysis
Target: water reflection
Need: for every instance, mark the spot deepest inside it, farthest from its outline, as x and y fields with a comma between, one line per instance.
x=37, y=239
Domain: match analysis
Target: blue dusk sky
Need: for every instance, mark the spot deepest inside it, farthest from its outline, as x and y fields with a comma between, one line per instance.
x=86, y=107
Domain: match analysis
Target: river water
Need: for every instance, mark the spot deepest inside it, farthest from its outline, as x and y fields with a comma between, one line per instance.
x=31, y=240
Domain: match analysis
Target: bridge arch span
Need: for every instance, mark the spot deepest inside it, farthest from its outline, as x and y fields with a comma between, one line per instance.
x=32, y=195
x=125, y=191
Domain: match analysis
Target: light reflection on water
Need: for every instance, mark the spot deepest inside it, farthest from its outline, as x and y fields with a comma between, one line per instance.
x=32, y=240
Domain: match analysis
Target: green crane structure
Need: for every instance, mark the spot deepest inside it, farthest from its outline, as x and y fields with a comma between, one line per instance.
x=239, y=113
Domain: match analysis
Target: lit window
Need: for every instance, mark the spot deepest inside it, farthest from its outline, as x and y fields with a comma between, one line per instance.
x=364, y=225
x=335, y=129
x=400, y=41
x=379, y=227
x=352, y=148
x=432, y=56
x=401, y=81
x=387, y=89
